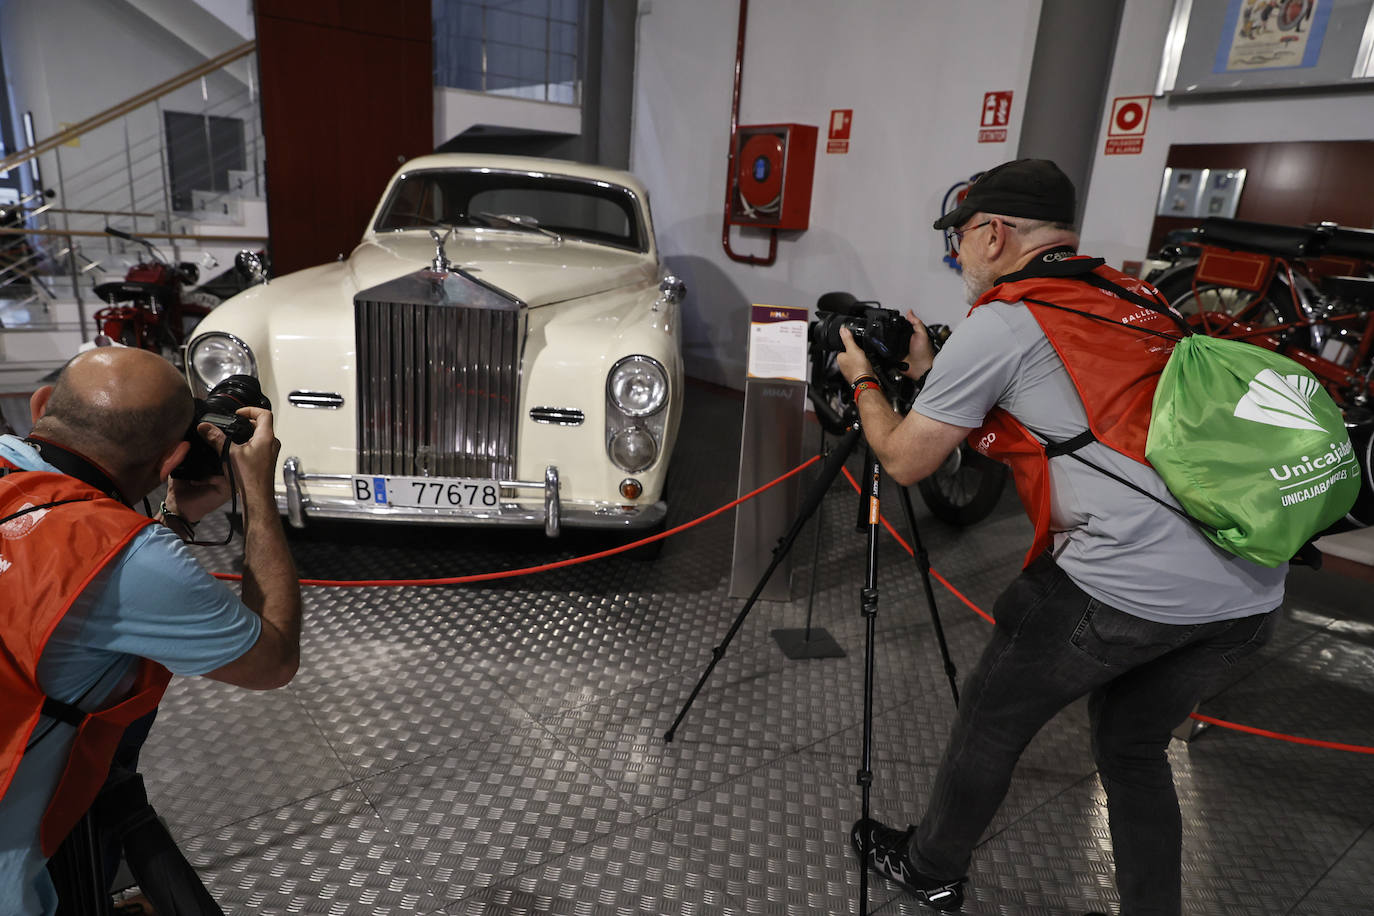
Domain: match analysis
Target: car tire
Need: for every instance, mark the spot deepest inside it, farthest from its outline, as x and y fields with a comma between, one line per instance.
x=966, y=488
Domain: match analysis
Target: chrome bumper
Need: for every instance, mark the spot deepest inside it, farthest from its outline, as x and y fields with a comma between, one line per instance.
x=299, y=503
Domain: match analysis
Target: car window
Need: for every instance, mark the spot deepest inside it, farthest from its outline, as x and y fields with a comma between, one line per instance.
x=594, y=211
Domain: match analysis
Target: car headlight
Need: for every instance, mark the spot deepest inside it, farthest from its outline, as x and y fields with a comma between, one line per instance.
x=633, y=448
x=215, y=356
x=638, y=386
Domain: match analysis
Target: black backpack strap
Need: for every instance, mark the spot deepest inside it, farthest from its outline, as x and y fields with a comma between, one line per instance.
x=1070, y=447
x=63, y=712
x=60, y=502
x=1111, y=321
x=1154, y=305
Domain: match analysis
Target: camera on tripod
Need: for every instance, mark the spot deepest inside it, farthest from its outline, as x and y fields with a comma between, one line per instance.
x=218, y=409
x=883, y=334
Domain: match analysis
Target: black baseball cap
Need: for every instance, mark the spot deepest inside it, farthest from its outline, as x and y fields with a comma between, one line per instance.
x=1033, y=188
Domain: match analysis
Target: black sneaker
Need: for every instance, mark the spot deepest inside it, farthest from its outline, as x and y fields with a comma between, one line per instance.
x=887, y=855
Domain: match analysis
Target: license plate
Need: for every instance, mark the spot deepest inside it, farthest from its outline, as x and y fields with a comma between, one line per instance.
x=428, y=492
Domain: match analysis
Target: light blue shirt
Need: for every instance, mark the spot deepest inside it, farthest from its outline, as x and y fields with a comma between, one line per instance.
x=152, y=601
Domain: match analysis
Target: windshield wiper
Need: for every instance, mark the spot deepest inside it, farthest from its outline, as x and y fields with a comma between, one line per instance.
x=528, y=223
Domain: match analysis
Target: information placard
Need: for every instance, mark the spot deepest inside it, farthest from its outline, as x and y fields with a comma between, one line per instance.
x=777, y=342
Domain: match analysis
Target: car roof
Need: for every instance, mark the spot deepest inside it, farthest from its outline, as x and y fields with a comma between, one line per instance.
x=523, y=164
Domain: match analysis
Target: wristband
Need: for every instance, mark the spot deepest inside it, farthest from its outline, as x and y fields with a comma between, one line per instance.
x=863, y=385
x=861, y=379
x=187, y=523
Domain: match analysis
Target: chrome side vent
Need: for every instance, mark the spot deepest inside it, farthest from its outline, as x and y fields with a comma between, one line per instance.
x=560, y=416
x=316, y=399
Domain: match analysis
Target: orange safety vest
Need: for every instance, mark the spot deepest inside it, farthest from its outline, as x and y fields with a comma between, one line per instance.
x=48, y=555
x=1114, y=371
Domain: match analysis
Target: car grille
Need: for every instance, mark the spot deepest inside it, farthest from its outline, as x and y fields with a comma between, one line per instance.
x=438, y=389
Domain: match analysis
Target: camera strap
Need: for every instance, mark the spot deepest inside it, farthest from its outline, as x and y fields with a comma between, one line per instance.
x=74, y=464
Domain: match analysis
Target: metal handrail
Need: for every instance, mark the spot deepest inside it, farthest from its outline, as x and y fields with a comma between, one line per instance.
x=128, y=105
x=86, y=233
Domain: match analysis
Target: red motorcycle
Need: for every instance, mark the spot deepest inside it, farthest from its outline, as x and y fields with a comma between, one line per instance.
x=1304, y=291
x=153, y=307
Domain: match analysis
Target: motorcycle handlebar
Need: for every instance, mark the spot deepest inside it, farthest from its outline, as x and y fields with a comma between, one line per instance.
x=111, y=230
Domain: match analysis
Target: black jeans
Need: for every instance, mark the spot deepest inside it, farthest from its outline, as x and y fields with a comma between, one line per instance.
x=1053, y=643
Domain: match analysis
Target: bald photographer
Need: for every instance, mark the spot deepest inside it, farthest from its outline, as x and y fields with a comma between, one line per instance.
x=100, y=605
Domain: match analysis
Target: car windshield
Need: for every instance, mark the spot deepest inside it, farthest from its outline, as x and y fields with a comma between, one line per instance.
x=571, y=207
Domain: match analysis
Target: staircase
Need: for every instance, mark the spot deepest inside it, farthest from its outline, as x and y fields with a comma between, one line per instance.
x=198, y=199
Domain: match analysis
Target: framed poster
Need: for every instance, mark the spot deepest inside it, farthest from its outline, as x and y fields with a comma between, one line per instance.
x=1200, y=192
x=1253, y=45
x=1220, y=194
x=1179, y=193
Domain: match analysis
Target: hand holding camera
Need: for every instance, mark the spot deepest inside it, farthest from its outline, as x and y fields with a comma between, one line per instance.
x=865, y=336
x=234, y=413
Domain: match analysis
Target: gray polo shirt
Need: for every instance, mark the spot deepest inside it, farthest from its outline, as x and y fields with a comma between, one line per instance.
x=1120, y=546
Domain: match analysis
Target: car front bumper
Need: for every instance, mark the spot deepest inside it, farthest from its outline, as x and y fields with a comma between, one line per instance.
x=310, y=495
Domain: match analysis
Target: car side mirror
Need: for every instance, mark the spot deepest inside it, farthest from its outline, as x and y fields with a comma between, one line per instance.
x=250, y=263
x=672, y=288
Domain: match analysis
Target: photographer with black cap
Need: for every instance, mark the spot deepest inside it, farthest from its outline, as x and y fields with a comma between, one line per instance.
x=1121, y=599
x=99, y=605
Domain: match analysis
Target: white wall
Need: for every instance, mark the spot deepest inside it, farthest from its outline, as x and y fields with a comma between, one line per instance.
x=1125, y=189
x=67, y=60
x=914, y=74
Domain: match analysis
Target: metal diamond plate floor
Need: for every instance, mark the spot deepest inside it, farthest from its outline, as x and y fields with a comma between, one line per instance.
x=498, y=748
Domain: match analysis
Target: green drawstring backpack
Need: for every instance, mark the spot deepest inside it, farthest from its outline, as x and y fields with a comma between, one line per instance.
x=1247, y=440
x=1251, y=446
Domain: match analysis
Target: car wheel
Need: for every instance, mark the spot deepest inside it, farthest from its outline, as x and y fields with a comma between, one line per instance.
x=966, y=488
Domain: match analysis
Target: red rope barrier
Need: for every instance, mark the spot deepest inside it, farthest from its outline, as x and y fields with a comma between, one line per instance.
x=528, y=570
x=1210, y=720
x=1280, y=736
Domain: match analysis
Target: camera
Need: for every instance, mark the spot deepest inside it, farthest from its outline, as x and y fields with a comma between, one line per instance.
x=883, y=334
x=217, y=408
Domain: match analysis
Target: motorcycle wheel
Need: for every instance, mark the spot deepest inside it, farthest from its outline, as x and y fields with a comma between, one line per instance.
x=1275, y=308
x=1362, y=438
x=966, y=488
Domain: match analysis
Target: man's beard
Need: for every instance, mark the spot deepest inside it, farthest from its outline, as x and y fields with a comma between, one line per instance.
x=977, y=280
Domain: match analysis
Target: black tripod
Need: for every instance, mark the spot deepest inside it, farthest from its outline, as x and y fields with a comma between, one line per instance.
x=868, y=509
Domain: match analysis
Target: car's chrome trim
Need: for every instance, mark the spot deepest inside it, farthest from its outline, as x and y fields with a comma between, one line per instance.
x=556, y=513
x=438, y=384
x=328, y=400
x=560, y=416
x=553, y=515
x=290, y=471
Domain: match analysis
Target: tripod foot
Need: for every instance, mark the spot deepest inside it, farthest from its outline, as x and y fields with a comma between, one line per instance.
x=795, y=644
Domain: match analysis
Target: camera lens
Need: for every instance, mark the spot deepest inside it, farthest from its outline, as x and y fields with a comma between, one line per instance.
x=234, y=392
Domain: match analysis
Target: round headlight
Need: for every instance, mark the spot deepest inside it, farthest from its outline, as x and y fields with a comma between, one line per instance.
x=638, y=386
x=215, y=356
x=633, y=449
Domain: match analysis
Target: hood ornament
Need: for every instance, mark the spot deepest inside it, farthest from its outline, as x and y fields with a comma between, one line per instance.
x=441, y=263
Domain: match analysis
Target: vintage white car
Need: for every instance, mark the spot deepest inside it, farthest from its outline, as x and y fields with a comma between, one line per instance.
x=501, y=348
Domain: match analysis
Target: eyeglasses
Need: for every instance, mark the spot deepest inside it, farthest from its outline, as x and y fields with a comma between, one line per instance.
x=956, y=236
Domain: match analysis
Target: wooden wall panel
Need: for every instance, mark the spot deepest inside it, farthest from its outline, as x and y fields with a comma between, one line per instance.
x=347, y=95
x=1291, y=183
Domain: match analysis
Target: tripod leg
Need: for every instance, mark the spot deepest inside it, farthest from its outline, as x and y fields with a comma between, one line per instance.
x=868, y=602
x=829, y=471
x=922, y=558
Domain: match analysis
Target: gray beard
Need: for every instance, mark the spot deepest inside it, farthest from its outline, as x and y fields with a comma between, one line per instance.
x=976, y=282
